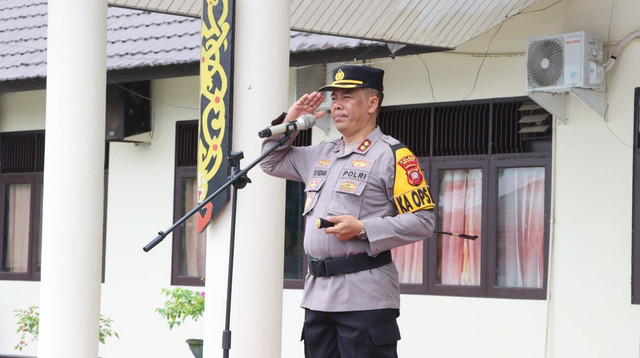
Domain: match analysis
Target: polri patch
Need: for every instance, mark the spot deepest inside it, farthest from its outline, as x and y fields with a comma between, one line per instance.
x=354, y=174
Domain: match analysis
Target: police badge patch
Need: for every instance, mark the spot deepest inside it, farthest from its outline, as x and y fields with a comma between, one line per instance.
x=410, y=190
x=410, y=165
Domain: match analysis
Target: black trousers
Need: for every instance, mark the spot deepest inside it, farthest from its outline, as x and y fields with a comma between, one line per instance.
x=357, y=334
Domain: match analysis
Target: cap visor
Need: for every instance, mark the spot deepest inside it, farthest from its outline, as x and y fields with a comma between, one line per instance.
x=331, y=87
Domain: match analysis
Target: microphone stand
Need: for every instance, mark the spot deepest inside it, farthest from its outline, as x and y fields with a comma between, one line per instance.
x=239, y=180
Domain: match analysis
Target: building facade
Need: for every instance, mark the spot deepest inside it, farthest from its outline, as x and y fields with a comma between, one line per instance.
x=554, y=272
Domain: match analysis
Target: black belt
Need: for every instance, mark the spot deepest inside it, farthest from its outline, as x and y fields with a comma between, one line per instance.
x=341, y=265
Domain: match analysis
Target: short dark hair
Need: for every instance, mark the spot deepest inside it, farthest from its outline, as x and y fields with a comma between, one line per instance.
x=368, y=91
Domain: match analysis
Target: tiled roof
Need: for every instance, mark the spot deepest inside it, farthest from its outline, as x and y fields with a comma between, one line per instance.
x=137, y=38
x=23, y=38
x=134, y=39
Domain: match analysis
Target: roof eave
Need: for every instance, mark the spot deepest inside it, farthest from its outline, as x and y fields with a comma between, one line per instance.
x=303, y=58
x=118, y=76
x=296, y=59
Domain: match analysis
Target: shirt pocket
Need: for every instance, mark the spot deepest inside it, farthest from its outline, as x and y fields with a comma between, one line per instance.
x=346, y=197
x=312, y=191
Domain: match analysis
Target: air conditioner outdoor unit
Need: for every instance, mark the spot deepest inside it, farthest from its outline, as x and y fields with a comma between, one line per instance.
x=560, y=62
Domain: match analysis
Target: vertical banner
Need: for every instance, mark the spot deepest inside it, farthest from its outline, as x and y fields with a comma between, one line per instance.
x=214, y=141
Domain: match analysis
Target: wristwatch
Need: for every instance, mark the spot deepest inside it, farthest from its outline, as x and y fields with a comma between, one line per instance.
x=362, y=235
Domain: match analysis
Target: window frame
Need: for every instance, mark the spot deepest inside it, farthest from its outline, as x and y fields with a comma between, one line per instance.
x=185, y=166
x=489, y=164
x=35, y=217
x=34, y=174
x=298, y=283
x=522, y=161
x=176, y=278
x=303, y=138
x=434, y=288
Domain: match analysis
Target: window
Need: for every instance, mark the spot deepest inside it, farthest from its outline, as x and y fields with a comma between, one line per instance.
x=520, y=260
x=21, y=189
x=308, y=79
x=295, y=261
x=21, y=239
x=22, y=158
x=488, y=166
x=189, y=246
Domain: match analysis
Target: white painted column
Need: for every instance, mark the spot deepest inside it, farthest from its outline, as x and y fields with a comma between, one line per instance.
x=73, y=179
x=261, y=82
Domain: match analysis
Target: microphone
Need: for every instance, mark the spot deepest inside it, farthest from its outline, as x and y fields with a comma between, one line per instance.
x=303, y=122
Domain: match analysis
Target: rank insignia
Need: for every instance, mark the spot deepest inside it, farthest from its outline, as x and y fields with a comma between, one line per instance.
x=348, y=186
x=359, y=163
x=364, y=145
x=308, y=202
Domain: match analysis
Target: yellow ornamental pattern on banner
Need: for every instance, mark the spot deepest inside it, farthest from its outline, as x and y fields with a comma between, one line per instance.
x=210, y=151
x=410, y=190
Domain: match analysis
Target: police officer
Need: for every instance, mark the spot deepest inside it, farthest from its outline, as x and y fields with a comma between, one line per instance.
x=370, y=188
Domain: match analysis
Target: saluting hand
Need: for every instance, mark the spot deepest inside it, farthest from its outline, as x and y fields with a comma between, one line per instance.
x=346, y=227
x=306, y=104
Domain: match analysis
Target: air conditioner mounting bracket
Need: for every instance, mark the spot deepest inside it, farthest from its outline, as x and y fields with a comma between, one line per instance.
x=557, y=103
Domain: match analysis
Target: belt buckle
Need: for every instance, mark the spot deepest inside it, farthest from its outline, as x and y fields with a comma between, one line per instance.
x=317, y=267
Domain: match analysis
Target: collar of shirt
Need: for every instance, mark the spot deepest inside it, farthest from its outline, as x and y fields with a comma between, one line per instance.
x=364, y=146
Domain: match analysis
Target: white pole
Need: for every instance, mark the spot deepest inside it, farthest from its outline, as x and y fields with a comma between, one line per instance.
x=73, y=179
x=261, y=82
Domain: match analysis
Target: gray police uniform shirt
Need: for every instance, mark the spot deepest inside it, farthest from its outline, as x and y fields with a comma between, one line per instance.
x=358, y=183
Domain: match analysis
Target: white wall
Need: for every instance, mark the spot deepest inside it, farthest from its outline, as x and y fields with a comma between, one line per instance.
x=22, y=111
x=141, y=179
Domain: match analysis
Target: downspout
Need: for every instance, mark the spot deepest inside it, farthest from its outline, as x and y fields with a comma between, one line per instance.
x=552, y=221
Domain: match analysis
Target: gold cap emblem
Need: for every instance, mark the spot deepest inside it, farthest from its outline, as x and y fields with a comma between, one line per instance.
x=339, y=75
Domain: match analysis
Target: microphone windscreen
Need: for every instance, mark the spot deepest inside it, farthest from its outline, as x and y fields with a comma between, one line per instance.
x=309, y=120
